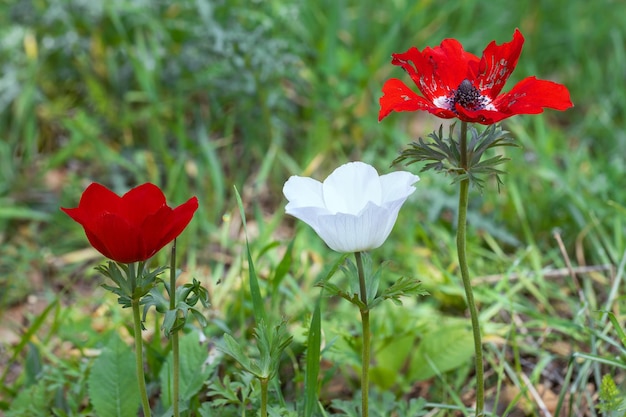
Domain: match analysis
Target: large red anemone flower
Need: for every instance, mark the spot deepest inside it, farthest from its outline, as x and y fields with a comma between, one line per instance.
x=456, y=83
x=132, y=227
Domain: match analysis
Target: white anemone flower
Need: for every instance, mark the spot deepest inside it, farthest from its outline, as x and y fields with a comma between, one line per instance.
x=354, y=209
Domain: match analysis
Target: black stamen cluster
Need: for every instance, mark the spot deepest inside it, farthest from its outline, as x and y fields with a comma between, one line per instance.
x=468, y=96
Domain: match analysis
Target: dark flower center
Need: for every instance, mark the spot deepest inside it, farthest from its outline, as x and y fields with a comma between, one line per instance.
x=468, y=96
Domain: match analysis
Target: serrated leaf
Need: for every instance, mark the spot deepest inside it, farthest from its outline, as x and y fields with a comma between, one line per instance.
x=446, y=346
x=194, y=371
x=112, y=383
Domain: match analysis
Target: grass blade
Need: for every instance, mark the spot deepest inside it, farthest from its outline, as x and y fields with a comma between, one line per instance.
x=313, y=360
x=255, y=290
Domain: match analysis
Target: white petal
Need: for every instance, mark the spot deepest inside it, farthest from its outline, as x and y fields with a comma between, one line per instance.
x=303, y=192
x=354, y=209
x=349, y=233
x=350, y=187
x=309, y=215
x=397, y=185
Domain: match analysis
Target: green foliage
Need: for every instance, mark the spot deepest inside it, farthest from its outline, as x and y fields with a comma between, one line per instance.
x=444, y=347
x=385, y=405
x=132, y=284
x=187, y=296
x=230, y=395
x=618, y=328
x=313, y=354
x=199, y=95
x=194, y=370
x=612, y=401
x=403, y=287
x=444, y=154
x=113, y=389
x=271, y=342
x=255, y=291
x=31, y=401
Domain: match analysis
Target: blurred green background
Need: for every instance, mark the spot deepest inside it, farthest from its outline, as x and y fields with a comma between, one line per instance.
x=199, y=96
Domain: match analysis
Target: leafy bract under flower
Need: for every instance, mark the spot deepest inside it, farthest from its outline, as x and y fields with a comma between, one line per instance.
x=132, y=227
x=457, y=84
x=354, y=209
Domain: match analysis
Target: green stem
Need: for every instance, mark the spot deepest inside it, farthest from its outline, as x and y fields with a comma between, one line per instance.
x=138, y=340
x=174, y=337
x=461, y=249
x=264, y=389
x=365, y=323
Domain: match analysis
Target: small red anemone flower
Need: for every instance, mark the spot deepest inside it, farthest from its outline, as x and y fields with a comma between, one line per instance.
x=456, y=83
x=132, y=227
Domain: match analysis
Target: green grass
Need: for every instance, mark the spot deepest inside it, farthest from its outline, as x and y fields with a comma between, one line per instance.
x=201, y=96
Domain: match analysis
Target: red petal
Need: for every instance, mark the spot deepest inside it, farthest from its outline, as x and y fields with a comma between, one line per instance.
x=179, y=219
x=485, y=117
x=531, y=96
x=116, y=239
x=497, y=64
x=163, y=227
x=437, y=71
x=154, y=228
x=142, y=201
x=398, y=97
x=96, y=200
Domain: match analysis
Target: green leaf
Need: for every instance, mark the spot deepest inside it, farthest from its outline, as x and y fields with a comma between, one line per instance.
x=391, y=358
x=194, y=369
x=446, y=346
x=332, y=289
x=226, y=391
x=112, y=383
x=313, y=356
x=404, y=287
x=231, y=347
x=443, y=153
x=272, y=341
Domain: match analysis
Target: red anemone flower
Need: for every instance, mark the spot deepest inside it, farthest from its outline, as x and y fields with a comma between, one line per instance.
x=456, y=83
x=132, y=227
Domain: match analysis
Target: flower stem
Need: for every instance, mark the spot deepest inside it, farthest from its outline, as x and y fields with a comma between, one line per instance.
x=365, y=353
x=141, y=380
x=264, y=390
x=461, y=249
x=174, y=337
